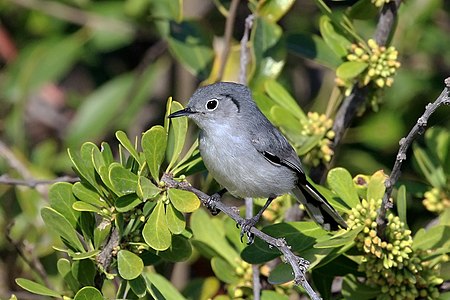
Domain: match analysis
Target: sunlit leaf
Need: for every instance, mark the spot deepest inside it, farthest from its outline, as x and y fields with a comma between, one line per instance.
x=183, y=201
x=351, y=69
x=127, y=202
x=154, y=143
x=61, y=199
x=123, y=139
x=401, y=204
x=156, y=232
x=36, y=288
x=273, y=10
x=88, y=293
x=376, y=187
x=340, y=181
x=123, y=180
x=282, y=97
x=130, y=266
x=160, y=288
x=175, y=219
x=177, y=135
x=337, y=43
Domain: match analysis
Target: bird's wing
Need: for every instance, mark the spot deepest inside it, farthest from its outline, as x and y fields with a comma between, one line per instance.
x=276, y=149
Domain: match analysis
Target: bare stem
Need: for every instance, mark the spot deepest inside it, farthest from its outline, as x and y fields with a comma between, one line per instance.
x=227, y=36
x=405, y=143
x=244, y=49
x=298, y=264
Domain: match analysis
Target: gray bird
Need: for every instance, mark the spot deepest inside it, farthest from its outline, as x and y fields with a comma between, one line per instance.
x=247, y=155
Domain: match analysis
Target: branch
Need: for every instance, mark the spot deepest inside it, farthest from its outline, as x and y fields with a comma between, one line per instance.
x=419, y=128
x=350, y=105
x=298, y=264
x=227, y=36
x=32, y=183
x=244, y=50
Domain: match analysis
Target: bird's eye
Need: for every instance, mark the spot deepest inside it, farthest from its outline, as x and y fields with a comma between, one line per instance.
x=212, y=104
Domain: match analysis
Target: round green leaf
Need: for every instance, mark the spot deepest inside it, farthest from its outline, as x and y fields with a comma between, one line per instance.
x=156, y=232
x=87, y=195
x=180, y=250
x=88, y=293
x=341, y=182
x=61, y=199
x=184, y=201
x=350, y=69
x=129, y=264
x=123, y=180
x=224, y=271
x=146, y=189
x=36, y=288
x=127, y=202
x=154, y=143
x=281, y=274
x=175, y=219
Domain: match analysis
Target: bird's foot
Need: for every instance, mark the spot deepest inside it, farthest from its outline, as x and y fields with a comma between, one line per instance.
x=246, y=225
x=211, y=203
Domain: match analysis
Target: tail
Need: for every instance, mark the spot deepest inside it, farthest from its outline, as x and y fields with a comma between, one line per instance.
x=318, y=207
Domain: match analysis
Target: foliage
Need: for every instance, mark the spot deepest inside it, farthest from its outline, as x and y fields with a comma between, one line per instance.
x=121, y=231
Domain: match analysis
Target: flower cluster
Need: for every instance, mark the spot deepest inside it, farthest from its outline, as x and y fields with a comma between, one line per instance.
x=318, y=125
x=436, y=200
x=242, y=289
x=380, y=3
x=391, y=263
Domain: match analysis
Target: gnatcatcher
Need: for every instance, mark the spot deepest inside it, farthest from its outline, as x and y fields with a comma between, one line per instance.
x=247, y=155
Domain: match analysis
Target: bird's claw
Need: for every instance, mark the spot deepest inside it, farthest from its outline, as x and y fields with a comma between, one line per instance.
x=211, y=203
x=246, y=225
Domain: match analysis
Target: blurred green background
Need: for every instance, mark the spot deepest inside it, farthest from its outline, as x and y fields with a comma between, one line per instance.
x=77, y=71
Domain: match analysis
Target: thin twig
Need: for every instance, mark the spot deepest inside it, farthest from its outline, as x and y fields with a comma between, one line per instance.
x=229, y=25
x=32, y=183
x=419, y=128
x=350, y=105
x=298, y=264
x=244, y=50
x=255, y=268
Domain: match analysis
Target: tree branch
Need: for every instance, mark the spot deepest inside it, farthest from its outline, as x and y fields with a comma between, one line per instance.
x=350, y=105
x=298, y=264
x=32, y=183
x=227, y=36
x=244, y=50
x=419, y=128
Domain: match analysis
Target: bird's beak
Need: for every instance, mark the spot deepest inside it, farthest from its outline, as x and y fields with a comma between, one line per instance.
x=181, y=113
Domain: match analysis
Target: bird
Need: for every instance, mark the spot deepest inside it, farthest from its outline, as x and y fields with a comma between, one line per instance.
x=248, y=156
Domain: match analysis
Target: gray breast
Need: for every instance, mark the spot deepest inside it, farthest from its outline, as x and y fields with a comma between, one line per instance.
x=235, y=164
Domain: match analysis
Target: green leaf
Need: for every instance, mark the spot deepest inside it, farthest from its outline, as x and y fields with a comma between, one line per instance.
x=58, y=223
x=84, y=271
x=278, y=94
x=430, y=167
x=337, y=43
x=401, y=204
x=61, y=199
x=340, y=181
x=83, y=165
x=350, y=69
x=177, y=135
x=272, y=295
x=127, y=202
x=338, y=240
x=146, y=189
x=313, y=47
x=191, y=45
x=175, y=219
x=160, y=288
x=83, y=206
x=64, y=269
x=85, y=255
x=376, y=187
x=101, y=232
x=268, y=49
x=123, y=139
x=183, y=201
x=179, y=250
x=204, y=228
x=138, y=286
x=273, y=10
x=156, y=232
x=123, y=180
x=224, y=271
x=438, y=141
x=202, y=288
x=99, y=109
x=352, y=289
x=432, y=238
x=88, y=293
x=167, y=10
x=87, y=195
x=36, y=288
x=154, y=143
x=282, y=273
x=129, y=264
